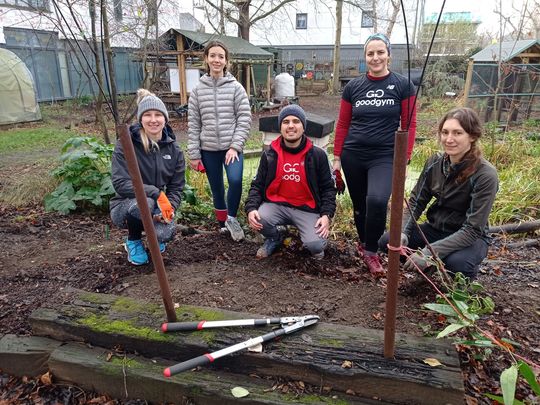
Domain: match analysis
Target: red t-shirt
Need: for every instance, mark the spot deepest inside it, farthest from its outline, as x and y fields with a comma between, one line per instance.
x=290, y=184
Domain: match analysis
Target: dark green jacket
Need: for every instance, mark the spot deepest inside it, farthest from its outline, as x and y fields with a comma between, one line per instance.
x=459, y=208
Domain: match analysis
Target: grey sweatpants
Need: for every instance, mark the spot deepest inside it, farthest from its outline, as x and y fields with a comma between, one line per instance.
x=119, y=215
x=273, y=215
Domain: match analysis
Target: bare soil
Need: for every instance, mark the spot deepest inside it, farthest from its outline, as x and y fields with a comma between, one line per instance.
x=44, y=253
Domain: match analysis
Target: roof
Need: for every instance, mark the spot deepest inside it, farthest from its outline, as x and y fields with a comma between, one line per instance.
x=509, y=50
x=239, y=49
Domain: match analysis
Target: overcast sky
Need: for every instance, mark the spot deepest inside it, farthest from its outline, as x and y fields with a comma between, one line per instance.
x=483, y=9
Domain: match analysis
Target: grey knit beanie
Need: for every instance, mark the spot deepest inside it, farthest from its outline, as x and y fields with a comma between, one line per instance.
x=292, y=109
x=151, y=102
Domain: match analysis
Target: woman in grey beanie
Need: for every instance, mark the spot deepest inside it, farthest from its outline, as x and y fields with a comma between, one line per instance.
x=219, y=121
x=162, y=167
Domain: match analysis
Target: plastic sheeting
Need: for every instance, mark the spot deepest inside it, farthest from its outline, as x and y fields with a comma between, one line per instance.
x=18, y=101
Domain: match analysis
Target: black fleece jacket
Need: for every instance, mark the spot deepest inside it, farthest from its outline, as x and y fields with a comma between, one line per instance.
x=318, y=174
x=460, y=208
x=161, y=170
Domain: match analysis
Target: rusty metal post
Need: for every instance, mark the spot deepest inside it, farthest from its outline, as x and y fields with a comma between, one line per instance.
x=148, y=223
x=396, y=215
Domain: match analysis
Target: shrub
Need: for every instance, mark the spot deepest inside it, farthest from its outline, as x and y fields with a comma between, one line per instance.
x=85, y=175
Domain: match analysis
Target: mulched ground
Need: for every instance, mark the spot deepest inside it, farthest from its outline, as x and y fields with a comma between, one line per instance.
x=44, y=253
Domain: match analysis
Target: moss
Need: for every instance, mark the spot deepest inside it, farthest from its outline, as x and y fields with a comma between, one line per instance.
x=331, y=342
x=188, y=313
x=315, y=399
x=118, y=365
x=122, y=304
x=95, y=298
x=124, y=327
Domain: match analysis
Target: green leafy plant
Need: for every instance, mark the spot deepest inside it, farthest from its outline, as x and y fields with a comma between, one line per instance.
x=462, y=306
x=85, y=175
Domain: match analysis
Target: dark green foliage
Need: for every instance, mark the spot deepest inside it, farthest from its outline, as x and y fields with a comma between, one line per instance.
x=85, y=175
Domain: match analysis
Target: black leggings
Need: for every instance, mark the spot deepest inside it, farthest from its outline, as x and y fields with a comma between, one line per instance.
x=370, y=184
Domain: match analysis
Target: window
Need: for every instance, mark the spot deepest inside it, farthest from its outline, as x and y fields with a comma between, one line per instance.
x=367, y=19
x=41, y=5
x=301, y=21
x=118, y=15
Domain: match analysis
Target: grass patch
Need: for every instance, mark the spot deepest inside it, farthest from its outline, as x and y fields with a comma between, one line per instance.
x=33, y=139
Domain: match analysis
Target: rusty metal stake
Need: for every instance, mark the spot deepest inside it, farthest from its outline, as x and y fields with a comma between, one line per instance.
x=148, y=223
x=396, y=215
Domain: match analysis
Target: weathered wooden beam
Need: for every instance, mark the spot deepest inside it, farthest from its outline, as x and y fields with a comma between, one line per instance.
x=131, y=377
x=25, y=355
x=315, y=355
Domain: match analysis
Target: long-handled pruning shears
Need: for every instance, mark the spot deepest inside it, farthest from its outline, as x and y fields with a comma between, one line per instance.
x=288, y=325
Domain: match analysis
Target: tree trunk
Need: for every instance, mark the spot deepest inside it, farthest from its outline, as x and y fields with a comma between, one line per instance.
x=336, y=84
x=110, y=62
x=395, y=11
x=99, y=74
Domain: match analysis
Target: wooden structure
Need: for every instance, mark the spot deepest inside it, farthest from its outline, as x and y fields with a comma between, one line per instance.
x=503, y=81
x=345, y=360
x=188, y=47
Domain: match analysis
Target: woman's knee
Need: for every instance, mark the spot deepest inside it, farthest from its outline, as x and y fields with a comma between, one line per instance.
x=165, y=232
x=383, y=242
x=460, y=264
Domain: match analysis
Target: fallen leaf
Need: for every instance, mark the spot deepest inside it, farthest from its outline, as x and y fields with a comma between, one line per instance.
x=46, y=378
x=258, y=348
x=350, y=392
x=377, y=316
x=432, y=362
x=239, y=392
x=346, y=364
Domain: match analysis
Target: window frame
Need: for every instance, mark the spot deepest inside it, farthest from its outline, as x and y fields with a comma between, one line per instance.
x=367, y=19
x=301, y=17
x=33, y=5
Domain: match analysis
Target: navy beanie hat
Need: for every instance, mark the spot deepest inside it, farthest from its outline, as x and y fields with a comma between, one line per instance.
x=292, y=109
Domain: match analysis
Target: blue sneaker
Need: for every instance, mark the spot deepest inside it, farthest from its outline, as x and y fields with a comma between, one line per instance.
x=162, y=246
x=136, y=252
x=269, y=246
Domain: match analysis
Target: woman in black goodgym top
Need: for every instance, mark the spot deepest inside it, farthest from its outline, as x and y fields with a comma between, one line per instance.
x=372, y=108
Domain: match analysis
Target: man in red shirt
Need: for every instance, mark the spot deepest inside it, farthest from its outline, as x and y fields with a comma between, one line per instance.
x=293, y=186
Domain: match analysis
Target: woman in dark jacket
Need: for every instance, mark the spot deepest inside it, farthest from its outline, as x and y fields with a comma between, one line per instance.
x=162, y=167
x=463, y=186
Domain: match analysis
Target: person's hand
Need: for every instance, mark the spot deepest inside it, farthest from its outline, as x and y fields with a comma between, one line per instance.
x=336, y=164
x=196, y=164
x=421, y=260
x=340, y=184
x=231, y=156
x=167, y=211
x=254, y=220
x=323, y=226
x=404, y=240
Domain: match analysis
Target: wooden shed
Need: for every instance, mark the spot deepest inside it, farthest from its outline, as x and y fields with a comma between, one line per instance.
x=188, y=47
x=503, y=82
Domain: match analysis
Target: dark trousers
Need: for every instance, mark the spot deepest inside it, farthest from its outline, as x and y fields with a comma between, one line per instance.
x=370, y=184
x=214, y=162
x=466, y=260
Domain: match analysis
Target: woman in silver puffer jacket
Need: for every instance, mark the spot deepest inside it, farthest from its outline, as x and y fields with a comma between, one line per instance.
x=219, y=121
